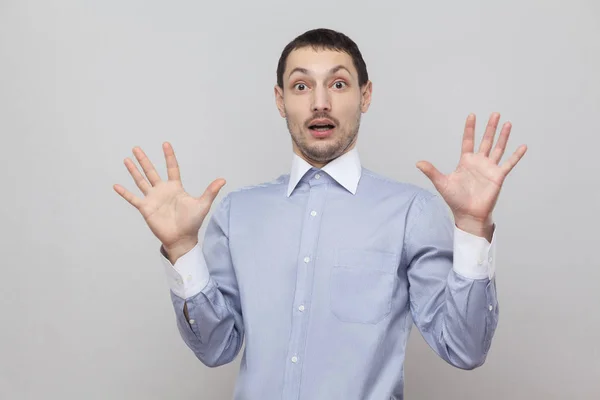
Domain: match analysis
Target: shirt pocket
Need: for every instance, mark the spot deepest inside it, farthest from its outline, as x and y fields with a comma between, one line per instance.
x=361, y=285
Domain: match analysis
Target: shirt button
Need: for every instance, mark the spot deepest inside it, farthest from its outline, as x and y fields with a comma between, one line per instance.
x=313, y=213
x=491, y=307
x=479, y=262
x=301, y=308
x=318, y=176
x=490, y=258
x=294, y=359
x=192, y=321
x=306, y=259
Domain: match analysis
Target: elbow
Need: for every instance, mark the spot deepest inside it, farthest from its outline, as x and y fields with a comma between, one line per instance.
x=227, y=354
x=469, y=363
x=469, y=355
x=472, y=364
x=213, y=362
x=466, y=357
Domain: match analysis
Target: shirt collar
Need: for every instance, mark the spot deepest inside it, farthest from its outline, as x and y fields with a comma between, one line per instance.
x=346, y=170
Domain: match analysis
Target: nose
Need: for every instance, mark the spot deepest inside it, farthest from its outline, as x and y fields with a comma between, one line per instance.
x=321, y=100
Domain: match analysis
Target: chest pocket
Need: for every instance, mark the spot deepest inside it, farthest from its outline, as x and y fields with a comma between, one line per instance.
x=361, y=285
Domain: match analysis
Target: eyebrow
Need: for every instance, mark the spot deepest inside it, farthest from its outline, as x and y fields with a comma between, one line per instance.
x=331, y=71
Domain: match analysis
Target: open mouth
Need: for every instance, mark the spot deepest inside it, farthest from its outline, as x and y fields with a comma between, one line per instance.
x=321, y=127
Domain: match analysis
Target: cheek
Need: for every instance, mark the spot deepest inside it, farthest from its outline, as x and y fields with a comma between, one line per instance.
x=348, y=114
x=347, y=108
x=295, y=114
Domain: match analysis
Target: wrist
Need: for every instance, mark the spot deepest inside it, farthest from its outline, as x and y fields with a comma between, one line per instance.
x=483, y=228
x=178, y=249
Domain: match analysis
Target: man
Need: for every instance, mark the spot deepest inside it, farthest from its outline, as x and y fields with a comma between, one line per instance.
x=324, y=270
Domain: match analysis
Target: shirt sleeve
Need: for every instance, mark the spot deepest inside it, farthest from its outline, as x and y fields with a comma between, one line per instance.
x=204, y=281
x=189, y=275
x=453, y=300
x=474, y=256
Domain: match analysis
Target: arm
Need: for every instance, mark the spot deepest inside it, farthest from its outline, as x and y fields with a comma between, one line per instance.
x=451, y=284
x=451, y=273
x=205, y=294
x=203, y=286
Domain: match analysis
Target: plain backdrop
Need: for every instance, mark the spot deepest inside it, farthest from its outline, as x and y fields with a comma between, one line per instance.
x=85, y=308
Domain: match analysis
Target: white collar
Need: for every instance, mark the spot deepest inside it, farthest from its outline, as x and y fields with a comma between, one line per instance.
x=346, y=170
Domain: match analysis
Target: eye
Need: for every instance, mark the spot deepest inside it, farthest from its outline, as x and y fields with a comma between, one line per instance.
x=300, y=86
x=339, y=85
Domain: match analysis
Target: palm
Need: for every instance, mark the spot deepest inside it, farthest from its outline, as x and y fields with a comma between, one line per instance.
x=170, y=212
x=472, y=190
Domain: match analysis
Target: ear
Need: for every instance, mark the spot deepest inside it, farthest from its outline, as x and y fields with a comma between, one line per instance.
x=279, y=100
x=366, y=91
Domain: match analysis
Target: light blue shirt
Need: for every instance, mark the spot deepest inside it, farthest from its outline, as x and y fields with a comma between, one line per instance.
x=323, y=272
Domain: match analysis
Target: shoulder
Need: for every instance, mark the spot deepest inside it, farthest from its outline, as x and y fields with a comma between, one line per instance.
x=396, y=187
x=415, y=200
x=274, y=186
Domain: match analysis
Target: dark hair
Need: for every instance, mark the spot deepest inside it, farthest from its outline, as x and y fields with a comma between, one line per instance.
x=328, y=39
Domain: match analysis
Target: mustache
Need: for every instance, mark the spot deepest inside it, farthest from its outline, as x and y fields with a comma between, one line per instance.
x=320, y=116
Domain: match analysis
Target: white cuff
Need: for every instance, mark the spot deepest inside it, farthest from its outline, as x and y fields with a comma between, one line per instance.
x=189, y=275
x=474, y=256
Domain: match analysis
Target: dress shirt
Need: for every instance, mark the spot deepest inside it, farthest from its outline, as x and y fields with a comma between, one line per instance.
x=323, y=273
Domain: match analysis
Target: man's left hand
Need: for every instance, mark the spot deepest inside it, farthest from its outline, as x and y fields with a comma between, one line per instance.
x=472, y=190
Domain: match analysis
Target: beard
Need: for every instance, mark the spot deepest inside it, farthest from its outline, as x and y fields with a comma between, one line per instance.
x=324, y=151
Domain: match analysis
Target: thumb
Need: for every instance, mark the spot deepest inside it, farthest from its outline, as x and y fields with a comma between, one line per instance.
x=213, y=190
x=431, y=172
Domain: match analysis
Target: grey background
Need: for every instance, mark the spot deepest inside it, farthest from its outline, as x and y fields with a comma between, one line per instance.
x=84, y=301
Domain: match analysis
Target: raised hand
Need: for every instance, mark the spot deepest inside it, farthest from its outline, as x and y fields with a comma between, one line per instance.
x=472, y=190
x=172, y=214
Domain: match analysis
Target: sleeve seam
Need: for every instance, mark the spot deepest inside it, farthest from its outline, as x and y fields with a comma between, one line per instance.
x=420, y=202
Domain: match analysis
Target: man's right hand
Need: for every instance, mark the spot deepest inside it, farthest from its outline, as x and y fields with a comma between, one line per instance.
x=173, y=215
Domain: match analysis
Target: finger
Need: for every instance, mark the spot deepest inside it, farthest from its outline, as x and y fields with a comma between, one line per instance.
x=212, y=190
x=147, y=166
x=172, y=165
x=490, y=132
x=500, y=147
x=469, y=135
x=138, y=178
x=509, y=164
x=435, y=176
x=127, y=195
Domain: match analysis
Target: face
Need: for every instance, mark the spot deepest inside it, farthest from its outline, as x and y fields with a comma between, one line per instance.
x=322, y=103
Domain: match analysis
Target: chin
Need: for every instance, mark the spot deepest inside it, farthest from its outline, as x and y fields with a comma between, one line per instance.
x=321, y=153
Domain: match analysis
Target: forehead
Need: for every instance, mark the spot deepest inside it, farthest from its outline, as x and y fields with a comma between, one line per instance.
x=318, y=62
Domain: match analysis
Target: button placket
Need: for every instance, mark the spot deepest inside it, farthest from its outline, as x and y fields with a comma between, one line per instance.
x=304, y=276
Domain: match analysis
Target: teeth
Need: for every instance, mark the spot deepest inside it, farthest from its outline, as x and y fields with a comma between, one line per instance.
x=322, y=127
